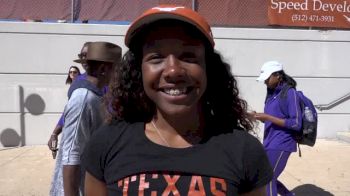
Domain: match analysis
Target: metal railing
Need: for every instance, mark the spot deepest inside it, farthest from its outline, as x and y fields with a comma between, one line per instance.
x=333, y=103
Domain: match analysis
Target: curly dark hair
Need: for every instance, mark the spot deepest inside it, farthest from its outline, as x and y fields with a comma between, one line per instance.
x=223, y=109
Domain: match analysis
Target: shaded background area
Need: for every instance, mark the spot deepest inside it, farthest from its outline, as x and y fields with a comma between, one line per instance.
x=310, y=189
x=10, y=138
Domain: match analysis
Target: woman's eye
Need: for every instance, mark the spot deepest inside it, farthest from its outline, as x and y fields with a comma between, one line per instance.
x=154, y=58
x=190, y=58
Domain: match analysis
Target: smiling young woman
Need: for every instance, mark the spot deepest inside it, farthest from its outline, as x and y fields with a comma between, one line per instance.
x=178, y=125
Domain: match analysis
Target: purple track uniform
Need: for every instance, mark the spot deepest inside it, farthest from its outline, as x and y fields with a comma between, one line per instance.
x=279, y=141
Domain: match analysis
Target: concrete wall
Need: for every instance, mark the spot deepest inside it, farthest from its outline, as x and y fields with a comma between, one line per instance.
x=35, y=58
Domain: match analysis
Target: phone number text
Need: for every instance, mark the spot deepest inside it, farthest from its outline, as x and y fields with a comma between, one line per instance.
x=311, y=18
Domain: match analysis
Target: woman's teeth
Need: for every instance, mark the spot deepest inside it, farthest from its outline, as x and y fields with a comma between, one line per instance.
x=175, y=92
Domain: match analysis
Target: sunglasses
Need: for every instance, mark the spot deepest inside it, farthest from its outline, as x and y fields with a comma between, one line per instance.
x=82, y=55
x=74, y=72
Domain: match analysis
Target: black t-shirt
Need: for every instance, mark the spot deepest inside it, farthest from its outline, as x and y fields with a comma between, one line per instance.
x=129, y=163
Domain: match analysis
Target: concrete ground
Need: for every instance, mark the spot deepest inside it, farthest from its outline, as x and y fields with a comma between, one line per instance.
x=323, y=170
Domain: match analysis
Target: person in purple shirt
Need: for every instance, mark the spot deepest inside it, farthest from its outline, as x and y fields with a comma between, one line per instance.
x=53, y=140
x=73, y=74
x=282, y=119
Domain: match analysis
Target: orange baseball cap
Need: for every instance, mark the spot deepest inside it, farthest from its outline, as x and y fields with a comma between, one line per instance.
x=176, y=12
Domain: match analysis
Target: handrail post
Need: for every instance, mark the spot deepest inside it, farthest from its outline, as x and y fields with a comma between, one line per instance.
x=194, y=8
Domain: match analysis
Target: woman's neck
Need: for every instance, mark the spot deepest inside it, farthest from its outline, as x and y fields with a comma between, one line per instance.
x=192, y=120
x=182, y=128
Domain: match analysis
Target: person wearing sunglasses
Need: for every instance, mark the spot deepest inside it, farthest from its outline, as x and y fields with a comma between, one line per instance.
x=82, y=115
x=81, y=59
x=73, y=74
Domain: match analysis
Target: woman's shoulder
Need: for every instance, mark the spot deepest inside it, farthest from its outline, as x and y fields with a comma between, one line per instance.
x=238, y=138
x=290, y=93
x=247, y=136
x=286, y=91
x=238, y=145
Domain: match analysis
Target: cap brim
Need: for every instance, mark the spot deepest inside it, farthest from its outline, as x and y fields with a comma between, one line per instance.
x=79, y=61
x=263, y=77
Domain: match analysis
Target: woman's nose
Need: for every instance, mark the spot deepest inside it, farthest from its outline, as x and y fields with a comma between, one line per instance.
x=173, y=69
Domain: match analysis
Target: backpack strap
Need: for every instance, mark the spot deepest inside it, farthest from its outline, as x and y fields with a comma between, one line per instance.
x=283, y=99
x=283, y=102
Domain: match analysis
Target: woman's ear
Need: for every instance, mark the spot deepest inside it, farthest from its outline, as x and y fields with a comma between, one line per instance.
x=279, y=78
